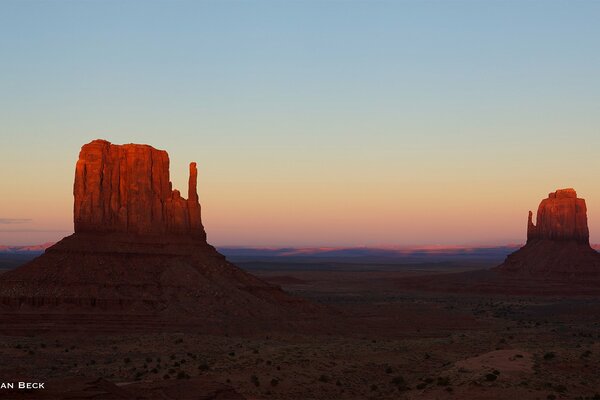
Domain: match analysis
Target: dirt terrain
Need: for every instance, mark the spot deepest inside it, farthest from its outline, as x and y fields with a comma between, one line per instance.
x=384, y=343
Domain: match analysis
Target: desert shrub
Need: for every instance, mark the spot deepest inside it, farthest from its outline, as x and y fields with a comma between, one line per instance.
x=496, y=372
x=182, y=375
x=274, y=382
x=148, y=359
x=232, y=354
x=127, y=360
x=586, y=354
x=399, y=381
x=388, y=370
x=444, y=381
x=166, y=376
x=421, y=385
x=254, y=380
x=491, y=377
x=560, y=388
x=324, y=378
x=374, y=387
x=203, y=367
x=549, y=355
x=178, y=341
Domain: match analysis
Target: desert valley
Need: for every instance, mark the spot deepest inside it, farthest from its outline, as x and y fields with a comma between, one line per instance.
x=299, y=200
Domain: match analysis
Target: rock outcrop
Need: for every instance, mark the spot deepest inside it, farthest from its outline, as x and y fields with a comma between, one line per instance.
x=139, y=257
x=126, y=188
x=558, y=245
x=562, y=216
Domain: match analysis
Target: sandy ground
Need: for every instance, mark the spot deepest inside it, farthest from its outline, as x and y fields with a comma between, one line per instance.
x=393, y=345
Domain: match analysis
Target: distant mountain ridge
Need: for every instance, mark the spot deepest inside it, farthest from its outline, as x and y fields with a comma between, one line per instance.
x=338, y=254
x=37, y=248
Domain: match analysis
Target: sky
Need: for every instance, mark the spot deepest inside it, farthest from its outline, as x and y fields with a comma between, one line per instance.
x=313, y=123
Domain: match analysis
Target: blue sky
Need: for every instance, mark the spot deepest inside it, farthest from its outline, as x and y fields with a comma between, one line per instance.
x=313, y=123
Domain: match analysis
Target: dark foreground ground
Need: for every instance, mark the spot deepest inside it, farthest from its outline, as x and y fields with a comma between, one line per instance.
x=393, y=345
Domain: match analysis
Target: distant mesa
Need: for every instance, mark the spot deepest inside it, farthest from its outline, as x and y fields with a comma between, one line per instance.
x=139, y=255
x=558, y=245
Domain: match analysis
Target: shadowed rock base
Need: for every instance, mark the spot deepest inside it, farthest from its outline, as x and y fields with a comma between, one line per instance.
x=144, y=280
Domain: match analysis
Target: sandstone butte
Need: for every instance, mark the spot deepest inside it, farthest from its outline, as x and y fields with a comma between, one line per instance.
x=558, y=244
x=127, y=189
x=139, y=249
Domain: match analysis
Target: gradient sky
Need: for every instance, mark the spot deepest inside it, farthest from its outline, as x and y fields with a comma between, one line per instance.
x=313, y=123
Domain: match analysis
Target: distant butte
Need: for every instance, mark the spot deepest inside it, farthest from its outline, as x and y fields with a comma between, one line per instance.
x=556, y=260
x=562, y=217
x=558, y=246
x=139, y=257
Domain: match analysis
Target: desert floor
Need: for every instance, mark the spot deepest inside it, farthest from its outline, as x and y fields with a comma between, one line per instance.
x=393, y=345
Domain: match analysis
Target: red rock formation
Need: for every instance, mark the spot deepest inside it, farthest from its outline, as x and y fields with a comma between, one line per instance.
x=558, y=246
x=562, y=216
x=126, y=188
x=139, y=256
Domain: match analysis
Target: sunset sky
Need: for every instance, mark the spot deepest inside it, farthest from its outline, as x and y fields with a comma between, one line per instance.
x=331, y=123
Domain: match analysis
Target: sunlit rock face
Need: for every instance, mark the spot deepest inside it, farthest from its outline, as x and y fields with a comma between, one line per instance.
x=562, y=216
x=127, y=189
x=558, y=244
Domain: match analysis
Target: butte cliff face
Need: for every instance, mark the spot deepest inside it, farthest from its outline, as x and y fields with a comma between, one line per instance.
x=558, y=244
x=562, y=216
x=126, y=188
x=139, y=255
